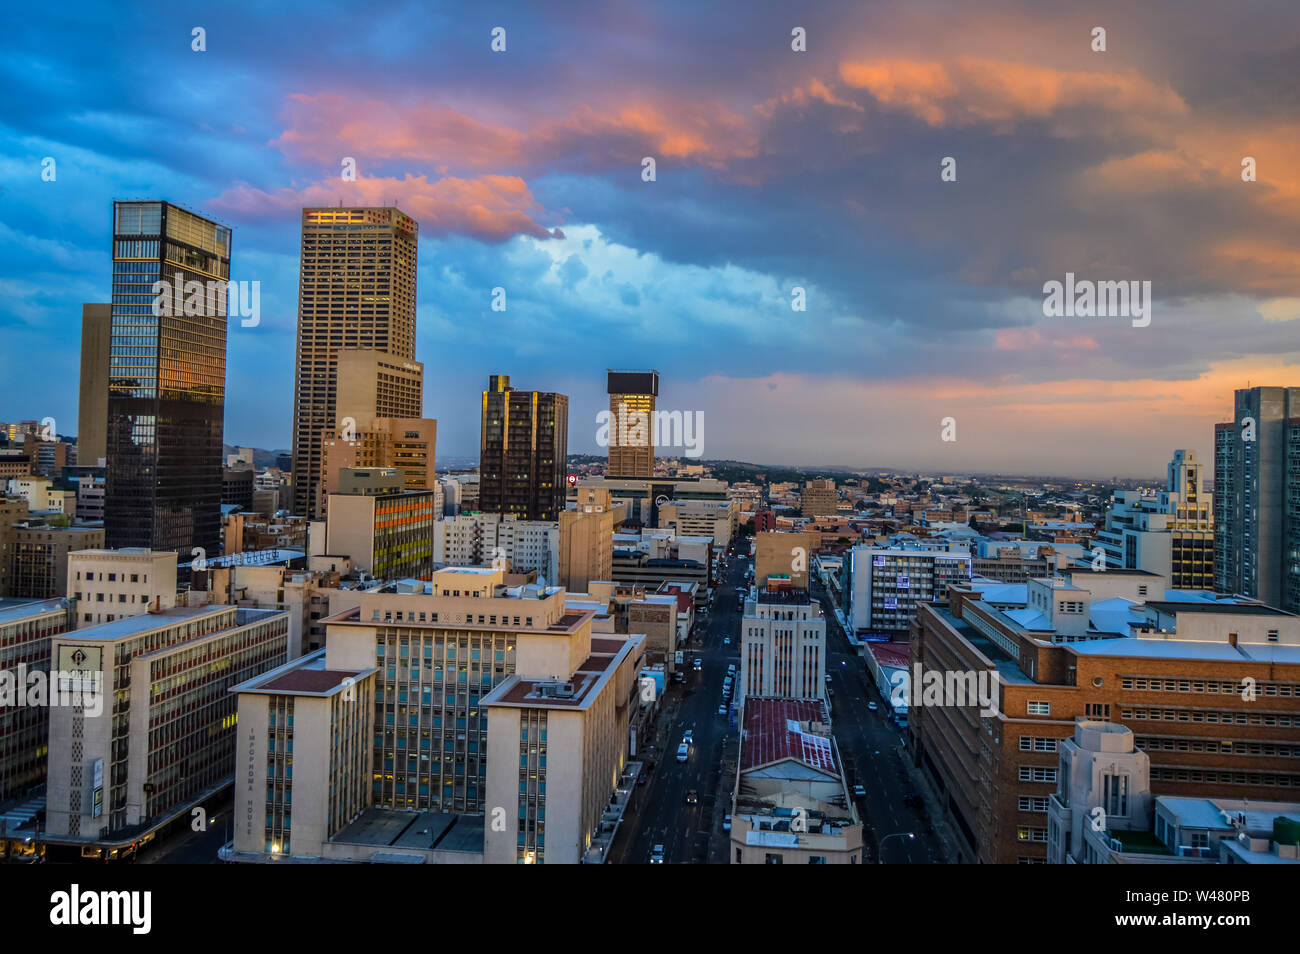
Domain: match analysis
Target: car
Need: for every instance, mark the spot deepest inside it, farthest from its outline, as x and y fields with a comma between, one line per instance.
x=830, y=693
x=726, y=640
x=692, y=797
x=828, y=679
x=726, y=823
x=688, y=737
x=872, y=706
x=699, y=664
x=859, y=791
x=642, y=779
x=722, y=710
x=731, y=668
x=657, y=855
x=683, y=752
x=679, y=676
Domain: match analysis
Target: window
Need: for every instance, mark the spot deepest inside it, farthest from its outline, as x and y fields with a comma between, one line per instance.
x=771, y=859
x=1114, y=790
x=1040, y=708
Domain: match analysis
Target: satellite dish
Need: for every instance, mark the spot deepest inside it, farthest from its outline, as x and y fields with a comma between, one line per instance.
x=661, y=500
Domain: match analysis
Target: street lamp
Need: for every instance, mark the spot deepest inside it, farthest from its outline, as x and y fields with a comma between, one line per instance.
x=880, y=848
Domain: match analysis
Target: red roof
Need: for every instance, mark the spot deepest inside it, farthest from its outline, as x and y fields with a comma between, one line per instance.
x=898, y=655
x=772, y=734
x=308, y=680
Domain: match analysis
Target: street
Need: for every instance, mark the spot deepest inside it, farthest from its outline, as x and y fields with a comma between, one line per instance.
x=870, y=744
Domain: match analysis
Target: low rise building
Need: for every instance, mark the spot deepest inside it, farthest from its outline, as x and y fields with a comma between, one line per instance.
x=112, y=584
x=782, y=646
x=791, y=802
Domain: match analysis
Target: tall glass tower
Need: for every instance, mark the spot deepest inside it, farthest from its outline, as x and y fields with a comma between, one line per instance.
x=166, y=380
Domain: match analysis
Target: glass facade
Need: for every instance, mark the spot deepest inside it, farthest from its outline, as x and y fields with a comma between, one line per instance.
x=523, y=451
x=167, y=374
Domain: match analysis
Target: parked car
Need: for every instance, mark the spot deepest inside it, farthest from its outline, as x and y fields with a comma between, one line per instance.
x=726, y=823
x=872, y=706
x=859, y=791
x=657, y=855
x=722, y=710
x=642, y=779
x=828, y=679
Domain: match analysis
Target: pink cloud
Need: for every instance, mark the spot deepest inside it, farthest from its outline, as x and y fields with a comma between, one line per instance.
x=490, y=208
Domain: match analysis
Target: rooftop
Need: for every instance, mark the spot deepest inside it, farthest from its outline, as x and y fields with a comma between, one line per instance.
x=424, y=831
x=775, y=730
x=12, y=611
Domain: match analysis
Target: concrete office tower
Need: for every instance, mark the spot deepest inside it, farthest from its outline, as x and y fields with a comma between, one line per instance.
x=405, y=443
x=523, y=447
x=356, y=291
x=163, y=735
x=25, y=633
x=1257, y=498
x=92, y=404
x=1170, y=533
x=631, y=428
x=782, y=646
x=167, y=379
x=113, y=584
x=819, y=499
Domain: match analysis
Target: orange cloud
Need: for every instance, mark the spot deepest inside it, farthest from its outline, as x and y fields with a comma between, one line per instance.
x=491, y=208
x=328, y=127
x=969, y=91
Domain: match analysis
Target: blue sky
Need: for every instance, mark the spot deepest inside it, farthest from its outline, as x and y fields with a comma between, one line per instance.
x=775, y=169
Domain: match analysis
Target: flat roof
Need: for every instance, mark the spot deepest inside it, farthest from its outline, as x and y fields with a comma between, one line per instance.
x=420, y=831
x=134, y=625
x=1135, y=647
x=1218, y=606
x=25, y=609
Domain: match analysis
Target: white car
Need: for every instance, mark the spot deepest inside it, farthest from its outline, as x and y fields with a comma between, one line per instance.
x=859, y=791
x=683, y=752
x=722, y=710
x=872, y=706
x=726, y=823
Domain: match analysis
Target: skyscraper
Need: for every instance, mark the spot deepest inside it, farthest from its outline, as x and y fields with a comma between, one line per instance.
x=166, y=379
x=632, y=415
x=523, y=448
x=92, y=405
x=1257, y=498
x=356, y=291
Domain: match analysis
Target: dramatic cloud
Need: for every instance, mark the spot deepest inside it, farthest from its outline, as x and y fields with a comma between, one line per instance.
x=775, y=171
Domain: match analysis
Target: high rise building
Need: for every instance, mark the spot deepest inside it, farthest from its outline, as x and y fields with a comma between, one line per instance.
x=166, y=380
x=92, y=405
x=522, y=452
x=356, y=292
x=1257, y=498
x=632, y=415
x=1170, y=533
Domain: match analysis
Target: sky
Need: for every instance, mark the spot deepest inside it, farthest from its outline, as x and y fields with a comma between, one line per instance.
x=775, y=169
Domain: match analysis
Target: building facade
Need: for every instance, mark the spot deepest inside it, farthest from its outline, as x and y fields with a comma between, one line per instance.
x=1256, y=496
x=167, y=379
x=523, y=449
x=356, y=293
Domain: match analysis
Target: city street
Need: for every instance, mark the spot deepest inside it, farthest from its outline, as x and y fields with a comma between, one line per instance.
x=870, y=744
x=663, y=817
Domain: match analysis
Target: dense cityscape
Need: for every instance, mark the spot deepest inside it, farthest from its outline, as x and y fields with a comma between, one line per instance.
x=509, y=589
